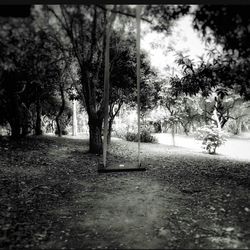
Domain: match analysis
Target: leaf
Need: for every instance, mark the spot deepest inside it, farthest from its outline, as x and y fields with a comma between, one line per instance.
x=163, y=232
x=247, y=209
x=229, y=229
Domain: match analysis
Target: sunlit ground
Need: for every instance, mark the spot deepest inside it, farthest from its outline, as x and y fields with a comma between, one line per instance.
x=237, y=147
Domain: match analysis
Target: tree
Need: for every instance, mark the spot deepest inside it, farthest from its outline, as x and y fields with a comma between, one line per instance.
x=29, y=73
x=239, y=116
x=210, y=79
x=161, y=17
x=45, y=74
x=229, y=26
x=123, y=89
x=86, y=40
x=74, y=120
x=12, y=83
x=174, y=106
x=83, y=37
x=51, y=108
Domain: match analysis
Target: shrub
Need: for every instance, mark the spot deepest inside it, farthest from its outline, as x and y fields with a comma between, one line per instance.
x=145, y=136
x=131, y=136
x=64, y=132
x=211, y=136
x=120, y=132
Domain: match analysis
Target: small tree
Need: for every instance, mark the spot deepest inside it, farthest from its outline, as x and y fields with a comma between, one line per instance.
x=212, y=137
x=180, y=108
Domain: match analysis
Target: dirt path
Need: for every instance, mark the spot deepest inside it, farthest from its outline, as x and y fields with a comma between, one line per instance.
x=185, y=199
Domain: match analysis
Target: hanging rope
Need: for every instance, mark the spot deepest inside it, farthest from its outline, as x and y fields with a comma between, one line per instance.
x=106, y=82
x=138, y=32
x=106, y=89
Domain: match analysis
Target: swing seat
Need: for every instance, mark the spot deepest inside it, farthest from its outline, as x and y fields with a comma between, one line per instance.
x=120, y=167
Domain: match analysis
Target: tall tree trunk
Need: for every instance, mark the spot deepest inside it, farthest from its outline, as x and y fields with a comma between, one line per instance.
x=173, y=133
x=217, y=119
x=38, y=127
x=15, y=120
x=95, y=135
x=205, y=113
x=238, y=126
x=15, y=128
x=26, y=120
x=59, y=131
x=112, y=116
x=161, y=126
x=74, y=122
x=25, y=124
x=58, y=127
x=110, y=129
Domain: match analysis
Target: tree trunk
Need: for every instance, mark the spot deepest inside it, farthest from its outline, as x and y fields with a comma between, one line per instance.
x=110, y=129
x=238, y=127
x=58, y=127
x=59, y=131
x=26, y=118
x=15, y=128
x=74, y=123
x=95, y=136
x=25, y=126
x=161, y=126
x=217, y=119
x=173, y=134
x=112, y=116
x=205, y=112
x=15, y=122
x=186, y=129
x=38, y=128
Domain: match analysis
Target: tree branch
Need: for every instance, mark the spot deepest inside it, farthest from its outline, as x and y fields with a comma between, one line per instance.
x=124, y=13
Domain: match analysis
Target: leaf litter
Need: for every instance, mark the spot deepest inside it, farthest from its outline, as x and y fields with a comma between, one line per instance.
x=52, y=197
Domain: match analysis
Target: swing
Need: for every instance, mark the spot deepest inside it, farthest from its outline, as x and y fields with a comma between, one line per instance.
x=103, y=168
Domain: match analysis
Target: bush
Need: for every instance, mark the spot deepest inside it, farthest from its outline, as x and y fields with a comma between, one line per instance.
x=211, y=136
x=131, y=136
x=145, y=136
x=64, y=132
x=120, y=132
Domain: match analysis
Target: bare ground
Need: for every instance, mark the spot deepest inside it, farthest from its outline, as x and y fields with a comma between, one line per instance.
x=52, y=197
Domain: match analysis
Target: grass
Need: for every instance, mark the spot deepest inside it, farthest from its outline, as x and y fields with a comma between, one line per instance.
x=52, y=197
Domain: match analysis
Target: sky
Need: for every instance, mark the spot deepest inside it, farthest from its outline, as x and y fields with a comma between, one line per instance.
x=183, y=38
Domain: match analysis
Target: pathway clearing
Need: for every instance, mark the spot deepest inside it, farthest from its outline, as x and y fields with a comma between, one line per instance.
x=183, y=200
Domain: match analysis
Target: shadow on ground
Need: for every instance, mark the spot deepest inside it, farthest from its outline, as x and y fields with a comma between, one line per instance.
x=53, y=197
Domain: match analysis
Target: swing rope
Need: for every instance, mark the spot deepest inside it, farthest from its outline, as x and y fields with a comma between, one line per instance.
x=106, y=83
x=106, y=90
x=138, y=66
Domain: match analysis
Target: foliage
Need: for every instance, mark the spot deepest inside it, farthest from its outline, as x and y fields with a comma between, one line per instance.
x=230, y=27
x=216, y=79
x=64, y=132
x=29, y=70
x=120, y=132
x=83, y=37
x=228, y=23
x=180, y=108
x=127, y=127
x=161, y=17
x=123, y=88
x=131, y=136
x=145, y=136
x=51, y=107
x=211, y=136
